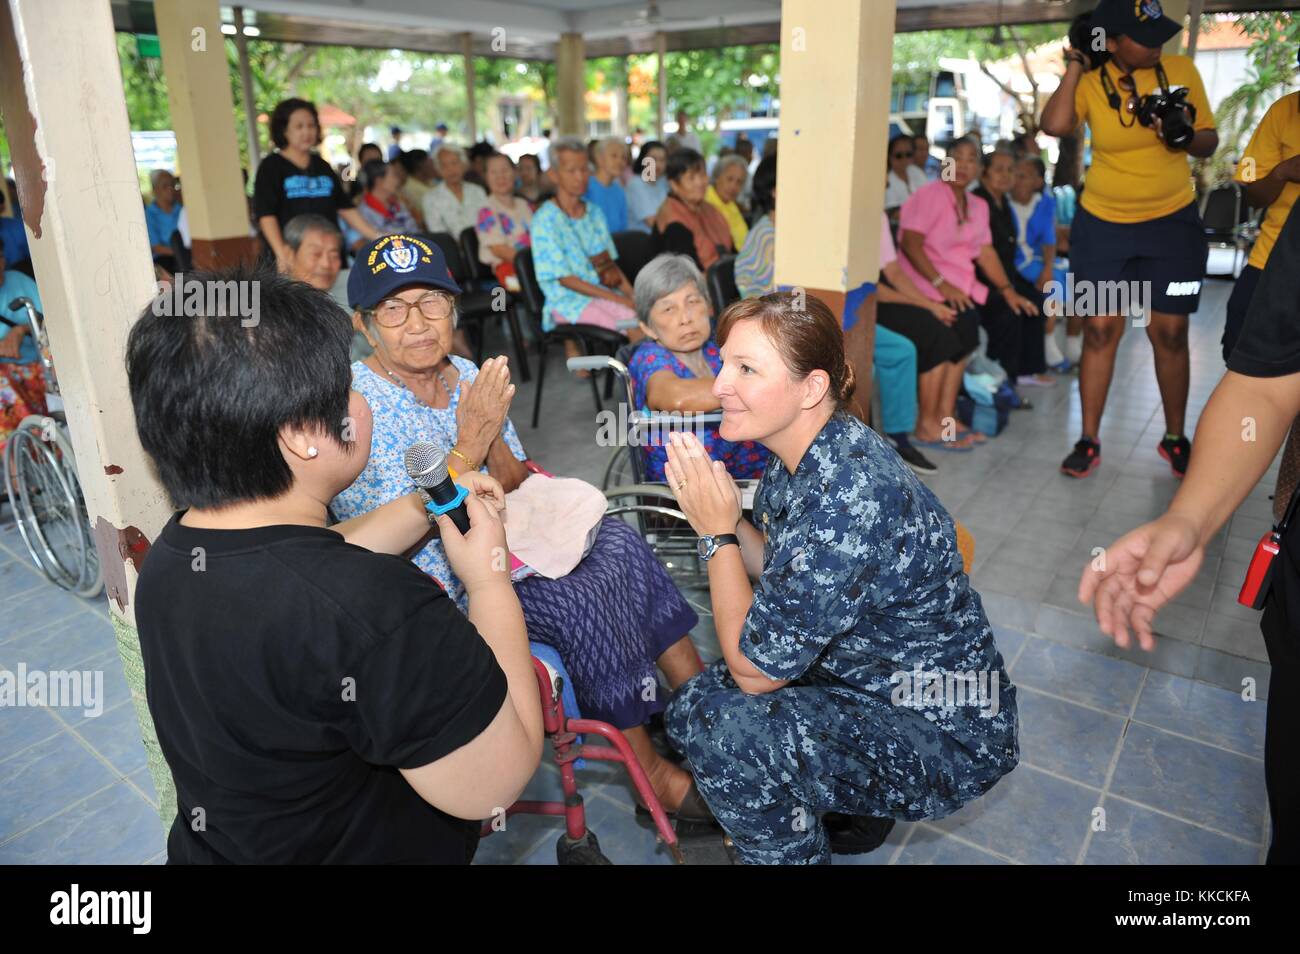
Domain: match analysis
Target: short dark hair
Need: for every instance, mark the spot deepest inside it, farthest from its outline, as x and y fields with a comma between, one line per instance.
x=364, y=147
x=683, y=161
x=532, y=158
x=412, y=159
x=761, y=198
x=1038, y=164
x=900, y=137
x=211, y=395
x=372, y=172
x=986, y=160
x=280, y=119
x=481, y=150
x=644, y=154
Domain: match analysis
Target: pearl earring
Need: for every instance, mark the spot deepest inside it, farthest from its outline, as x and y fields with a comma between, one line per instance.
x=312, y=452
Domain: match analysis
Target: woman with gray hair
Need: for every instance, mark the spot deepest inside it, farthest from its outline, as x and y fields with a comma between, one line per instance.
x=729, y=176
x=605, y=187
x=452, y=205
x=674, y=370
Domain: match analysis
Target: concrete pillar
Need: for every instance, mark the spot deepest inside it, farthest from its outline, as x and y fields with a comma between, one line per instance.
x=1177, y=11
x=203, y=115
x=249, y=97
x=661, y=78
x=571, y=85
x=467, y=51
x=65, y=119
x=836, y=65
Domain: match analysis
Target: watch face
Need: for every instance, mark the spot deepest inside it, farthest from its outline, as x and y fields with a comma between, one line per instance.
x=705, y=547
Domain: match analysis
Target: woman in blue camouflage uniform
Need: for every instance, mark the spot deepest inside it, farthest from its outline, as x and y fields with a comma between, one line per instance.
x=859, y=674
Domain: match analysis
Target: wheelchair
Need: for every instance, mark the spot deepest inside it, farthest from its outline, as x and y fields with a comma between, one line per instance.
x=42, y=487
x=651, y=505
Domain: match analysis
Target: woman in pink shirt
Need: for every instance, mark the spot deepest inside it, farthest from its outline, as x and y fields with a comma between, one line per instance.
x=943, y=232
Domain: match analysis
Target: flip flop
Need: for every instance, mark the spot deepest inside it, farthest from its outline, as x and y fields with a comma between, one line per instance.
x=955, y=446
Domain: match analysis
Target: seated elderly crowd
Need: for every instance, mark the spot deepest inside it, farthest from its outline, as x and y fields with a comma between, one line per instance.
x=614, y=616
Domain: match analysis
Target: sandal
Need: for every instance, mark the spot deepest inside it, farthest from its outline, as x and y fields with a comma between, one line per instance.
x=693, y=812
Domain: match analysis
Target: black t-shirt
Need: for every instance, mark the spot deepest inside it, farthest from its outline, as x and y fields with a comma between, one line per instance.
x=290, y=675
x=1002, y=227
x=1269, y=347
x=284, y=190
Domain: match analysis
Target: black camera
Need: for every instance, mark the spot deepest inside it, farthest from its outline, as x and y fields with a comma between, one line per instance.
x=1175, y=113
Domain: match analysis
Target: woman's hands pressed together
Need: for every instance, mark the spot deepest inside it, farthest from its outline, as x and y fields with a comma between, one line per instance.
x=484, y=405
x=704, y=490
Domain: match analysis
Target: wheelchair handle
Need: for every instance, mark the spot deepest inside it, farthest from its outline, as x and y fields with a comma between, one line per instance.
x=38, y=336
x=593, y=362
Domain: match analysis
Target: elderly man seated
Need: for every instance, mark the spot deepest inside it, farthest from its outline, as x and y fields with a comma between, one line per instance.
x=316, y=247
x=674, y=369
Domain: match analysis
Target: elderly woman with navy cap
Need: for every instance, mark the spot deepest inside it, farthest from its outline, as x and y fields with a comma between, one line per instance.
x=617, y=614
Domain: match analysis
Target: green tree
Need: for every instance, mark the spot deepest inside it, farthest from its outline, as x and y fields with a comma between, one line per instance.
x=1271, y=74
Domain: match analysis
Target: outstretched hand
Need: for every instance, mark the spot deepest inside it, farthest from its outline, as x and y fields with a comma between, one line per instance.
x=1140, y=573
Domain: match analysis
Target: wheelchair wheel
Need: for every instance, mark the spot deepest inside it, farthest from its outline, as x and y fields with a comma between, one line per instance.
x=619, y=469
x=41, y=480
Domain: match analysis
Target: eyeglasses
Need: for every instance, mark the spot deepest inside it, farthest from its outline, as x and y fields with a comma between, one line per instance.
x=393, y=312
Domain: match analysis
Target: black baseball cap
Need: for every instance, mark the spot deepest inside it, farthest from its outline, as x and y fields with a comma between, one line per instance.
x=391, y=262
x=1142, y=21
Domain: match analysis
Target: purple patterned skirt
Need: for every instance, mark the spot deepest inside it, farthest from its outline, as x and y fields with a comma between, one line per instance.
x=609, y=620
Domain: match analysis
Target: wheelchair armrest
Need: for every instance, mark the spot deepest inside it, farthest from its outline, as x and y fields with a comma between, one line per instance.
x=594, y=362
x=662, y=419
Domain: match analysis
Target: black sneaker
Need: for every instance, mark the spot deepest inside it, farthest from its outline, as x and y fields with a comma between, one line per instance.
x=1176, y=452
x=914, y=459
x=1083, y=460
x=856, y=834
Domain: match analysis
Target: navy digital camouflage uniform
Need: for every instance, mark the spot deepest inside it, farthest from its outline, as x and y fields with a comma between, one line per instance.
x=861, y=579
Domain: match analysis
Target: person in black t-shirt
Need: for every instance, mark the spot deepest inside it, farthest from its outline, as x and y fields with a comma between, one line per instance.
x=1147, y=567
x=317, y=698
x=295, y=180
x=1015, y=336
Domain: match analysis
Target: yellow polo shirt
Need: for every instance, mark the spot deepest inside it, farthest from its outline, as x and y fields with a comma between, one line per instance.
x=731, y=212
x=1134, y=176
x=1277, y=138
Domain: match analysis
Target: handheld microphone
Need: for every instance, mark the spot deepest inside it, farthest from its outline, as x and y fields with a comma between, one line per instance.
x=427, y=466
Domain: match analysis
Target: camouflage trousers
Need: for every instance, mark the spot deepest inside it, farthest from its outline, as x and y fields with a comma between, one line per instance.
x=768, y=765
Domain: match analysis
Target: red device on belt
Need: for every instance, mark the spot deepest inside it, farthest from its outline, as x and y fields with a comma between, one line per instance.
x=1254, y=591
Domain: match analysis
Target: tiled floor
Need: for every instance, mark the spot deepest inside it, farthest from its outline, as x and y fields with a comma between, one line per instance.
x=1126, y=758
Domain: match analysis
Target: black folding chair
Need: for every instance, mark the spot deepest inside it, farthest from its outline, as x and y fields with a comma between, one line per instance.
x=1226, y=218
x=485, y=280
x=635, y=250
x=721, y=282
x=589, y=338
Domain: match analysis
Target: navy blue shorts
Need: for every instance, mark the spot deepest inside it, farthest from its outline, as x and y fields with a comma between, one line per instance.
x=1164, y=257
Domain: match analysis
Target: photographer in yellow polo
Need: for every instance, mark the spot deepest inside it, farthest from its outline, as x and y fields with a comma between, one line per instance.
x=1269, y=168
x=1138, y=221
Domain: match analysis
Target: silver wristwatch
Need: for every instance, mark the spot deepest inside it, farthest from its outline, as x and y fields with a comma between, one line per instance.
x=710, y=545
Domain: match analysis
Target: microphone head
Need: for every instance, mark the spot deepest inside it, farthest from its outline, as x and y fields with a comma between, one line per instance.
x=425, y=464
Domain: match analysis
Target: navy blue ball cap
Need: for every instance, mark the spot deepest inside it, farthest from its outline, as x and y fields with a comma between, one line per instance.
x=391, y=262
x=1142, y=21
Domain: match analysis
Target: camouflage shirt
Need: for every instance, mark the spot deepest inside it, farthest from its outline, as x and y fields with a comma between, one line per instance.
x=862, y=581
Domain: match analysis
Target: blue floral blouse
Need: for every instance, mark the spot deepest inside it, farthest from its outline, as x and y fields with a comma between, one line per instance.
x=399, y=421
x=744, y=460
